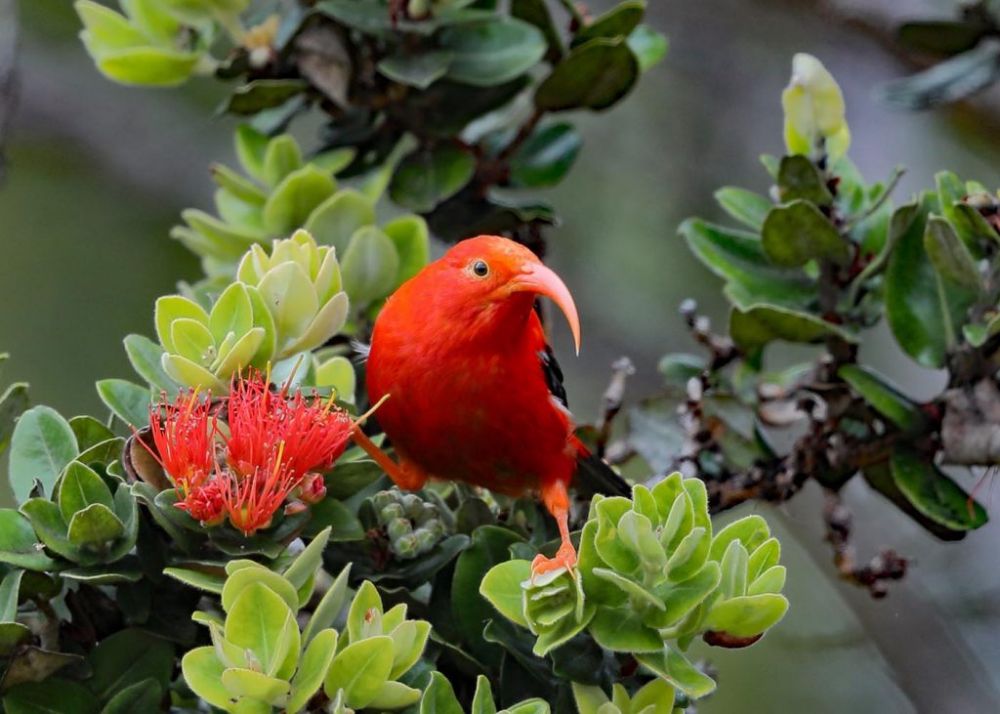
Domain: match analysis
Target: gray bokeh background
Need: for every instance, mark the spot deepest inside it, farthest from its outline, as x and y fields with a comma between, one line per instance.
x=98, y=173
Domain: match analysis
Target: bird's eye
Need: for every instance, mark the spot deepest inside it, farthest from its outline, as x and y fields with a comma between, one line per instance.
x=480, y=268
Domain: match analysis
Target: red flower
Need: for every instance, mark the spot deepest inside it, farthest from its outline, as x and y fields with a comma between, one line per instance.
x=272, y=444
x=251, y=501
x=313, y=434
x=184, y=435
x=206, y=503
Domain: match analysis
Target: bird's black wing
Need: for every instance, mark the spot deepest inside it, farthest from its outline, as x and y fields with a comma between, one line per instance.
x=593, y=475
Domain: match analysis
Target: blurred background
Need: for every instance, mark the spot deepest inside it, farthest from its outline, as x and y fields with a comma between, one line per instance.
x=96, y=174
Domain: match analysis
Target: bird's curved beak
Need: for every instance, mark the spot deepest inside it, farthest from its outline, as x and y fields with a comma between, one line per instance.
x=540, y=280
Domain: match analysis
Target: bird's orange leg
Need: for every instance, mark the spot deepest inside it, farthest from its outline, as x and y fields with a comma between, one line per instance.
x=556, y=500
x=404, y=475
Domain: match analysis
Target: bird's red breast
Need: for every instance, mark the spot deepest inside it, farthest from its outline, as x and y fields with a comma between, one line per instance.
x=459, y=350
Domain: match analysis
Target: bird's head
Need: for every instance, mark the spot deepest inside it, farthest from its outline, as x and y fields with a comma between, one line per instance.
x=504, y=278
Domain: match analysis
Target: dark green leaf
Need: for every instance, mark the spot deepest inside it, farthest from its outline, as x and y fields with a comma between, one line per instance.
x=798, y=178
x=41, y=446
x=879, y=477
x=884, y=397
x=54, y=696
x=739, y=257
x=89, y=431
x=142, y=696
x=491, y=52
x=616, y=22
x=765, y=323
x=957, y=78
x=261, y=94
x=126, y=658
x=546, y=157
x=427, y=177
x=952, y=260
x=417, y=70
x=439, y=697
x=923, y=310
x=128, y=401
x=796, y=233
x=933, y=493
x=490, y=546
x=13, y=402
x=333, y=514
x=19, y=546
x=145, y=356
x=594, y=75
x=536, y=12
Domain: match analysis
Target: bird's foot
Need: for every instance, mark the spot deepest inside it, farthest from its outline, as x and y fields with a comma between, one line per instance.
x=565, y=557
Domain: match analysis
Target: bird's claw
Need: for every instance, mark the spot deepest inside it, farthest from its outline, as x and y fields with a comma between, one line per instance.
x=565, y=557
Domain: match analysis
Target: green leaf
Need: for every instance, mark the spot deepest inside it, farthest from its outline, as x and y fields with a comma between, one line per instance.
x=746, y=615
x=329, y=606
x=232, y=313
x=933, y=493
x=751, y=531
x=147, y=66
x=594, y=75
x=79, y=487
x=339, y=217
x=200, y=580
x=308, y=561
x=419, y=70
x=258, y=621
x=365, y=610
x=255, y=574
x=360, y=669
x=312, y=670
x=502, y=587
x=13, y=403
x=546, y=157
x=745, y=206
x=879, y=477
x=395, y=695
x=615, y=23
x=142, y=696
x=676, y=670
x=884, y=397
x=738, y=257
x=128, y=401
x=41, y=446
x=410, y=236
x=203, y=673
x=408, y=639
x=94, y=527
x=924, y=311
x=763, y=324
x=491, y=52
x=370, y=266
x=146, y=357
x=175, y=307
x=53, y=696
x=439, y=697
x=10, y=587
x=126, y=658
x=648, y=45
x=281, y=157
x=250, y=684
x=796, y=233
x=19, y=546
x=251, y=147
x=621, y=629
x=260, y=94
x=89, y=431
x=294, y=199
x=482, y=700
x=427, y=177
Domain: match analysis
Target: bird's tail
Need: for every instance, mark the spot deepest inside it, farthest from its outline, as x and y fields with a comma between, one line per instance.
x=593, y=475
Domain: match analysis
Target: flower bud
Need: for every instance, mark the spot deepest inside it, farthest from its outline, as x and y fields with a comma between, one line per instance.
x=815, y=123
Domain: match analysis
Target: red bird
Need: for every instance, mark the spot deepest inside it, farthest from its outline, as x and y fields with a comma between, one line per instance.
x=475, y=394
